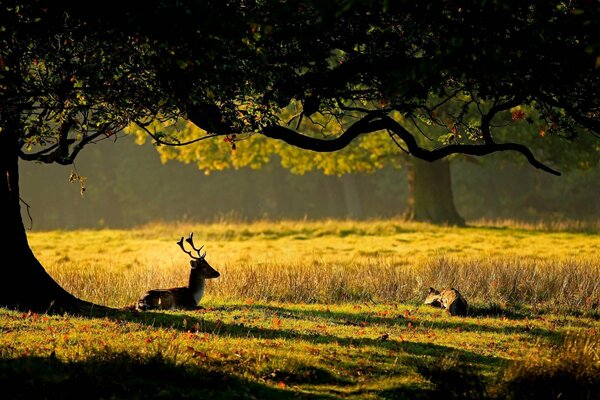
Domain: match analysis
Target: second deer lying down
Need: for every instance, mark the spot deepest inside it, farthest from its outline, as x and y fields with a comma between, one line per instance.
x=187, y=297
x=450, y=299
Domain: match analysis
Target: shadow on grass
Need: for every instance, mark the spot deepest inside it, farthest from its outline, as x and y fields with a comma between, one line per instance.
x=314, y=375
x=235, y=330
x=453, y=325
x=497, y=311
x=513, y=313
x=346, y=318
x=306, y=374
x=109, y=375
x=186, y=322
x=450, y=323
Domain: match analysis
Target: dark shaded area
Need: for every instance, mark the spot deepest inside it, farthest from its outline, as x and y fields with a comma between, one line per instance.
x=306, y=374
x=127, y=185
x=109, y=375
x=454, y=379
x=563, y=383
x=449, y=324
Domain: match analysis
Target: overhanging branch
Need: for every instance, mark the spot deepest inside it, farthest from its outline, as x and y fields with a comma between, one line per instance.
x=65, y=150
x=294, y=138
x=377, y=121
x=468, y=149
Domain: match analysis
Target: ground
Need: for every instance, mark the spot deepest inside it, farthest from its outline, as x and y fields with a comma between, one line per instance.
x=314, y=309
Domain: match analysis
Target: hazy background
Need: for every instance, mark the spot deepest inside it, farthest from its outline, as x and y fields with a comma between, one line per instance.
x=126, y=185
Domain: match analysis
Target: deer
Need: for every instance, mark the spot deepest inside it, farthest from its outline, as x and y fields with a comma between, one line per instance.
x=449, y=299
x=187, y=297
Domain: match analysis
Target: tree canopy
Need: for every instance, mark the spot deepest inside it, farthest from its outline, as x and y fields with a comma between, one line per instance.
x=315, y=75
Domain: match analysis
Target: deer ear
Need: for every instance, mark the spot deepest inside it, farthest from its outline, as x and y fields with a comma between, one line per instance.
x=193, y=263
x=432, y=290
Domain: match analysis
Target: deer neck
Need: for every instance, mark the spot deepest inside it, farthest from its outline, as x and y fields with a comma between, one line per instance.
x=196, y=286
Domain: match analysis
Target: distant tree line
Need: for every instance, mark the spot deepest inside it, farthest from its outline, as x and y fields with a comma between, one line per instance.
x=127, y=186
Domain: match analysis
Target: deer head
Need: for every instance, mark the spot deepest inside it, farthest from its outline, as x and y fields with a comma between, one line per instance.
x=198, y=263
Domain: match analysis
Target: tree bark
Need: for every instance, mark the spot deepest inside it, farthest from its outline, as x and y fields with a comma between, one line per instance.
x=25, y=284
x=430, y=197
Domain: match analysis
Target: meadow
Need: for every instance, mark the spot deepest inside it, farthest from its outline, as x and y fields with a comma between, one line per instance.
x=318, y=309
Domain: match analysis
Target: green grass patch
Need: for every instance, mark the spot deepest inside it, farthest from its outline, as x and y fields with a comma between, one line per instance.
x=274, y=350
x=329, y=309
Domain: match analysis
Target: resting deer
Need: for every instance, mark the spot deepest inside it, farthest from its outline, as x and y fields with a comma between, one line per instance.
x=450, y=299
x=187, y=297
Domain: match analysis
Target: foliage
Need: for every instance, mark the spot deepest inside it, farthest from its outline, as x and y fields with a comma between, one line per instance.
x=74, y=73
x=367, y=154
x=65, y=85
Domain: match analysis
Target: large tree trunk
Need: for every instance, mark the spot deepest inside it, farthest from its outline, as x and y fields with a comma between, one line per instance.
x=430, y=196
x=25, y=283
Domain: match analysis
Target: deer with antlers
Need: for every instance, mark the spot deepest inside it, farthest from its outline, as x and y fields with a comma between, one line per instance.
x=187, y=297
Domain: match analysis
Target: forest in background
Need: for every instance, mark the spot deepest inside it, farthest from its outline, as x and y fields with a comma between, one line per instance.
x=126, y=185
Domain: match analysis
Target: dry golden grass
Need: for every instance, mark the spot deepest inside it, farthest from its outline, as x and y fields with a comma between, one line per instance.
x=333, y=262
x=559, y=225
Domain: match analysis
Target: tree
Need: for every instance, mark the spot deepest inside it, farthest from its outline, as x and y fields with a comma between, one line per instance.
x=502, y=67
x=429, y=185
x=73, y=74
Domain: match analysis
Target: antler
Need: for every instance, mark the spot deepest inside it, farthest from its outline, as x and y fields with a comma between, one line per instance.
x=190, y=240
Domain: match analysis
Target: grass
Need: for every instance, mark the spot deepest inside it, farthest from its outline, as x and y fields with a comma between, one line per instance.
x=328, y=309
x=332, y=262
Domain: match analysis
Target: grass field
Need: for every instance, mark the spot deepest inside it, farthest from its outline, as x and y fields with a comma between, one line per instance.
x=325, y=309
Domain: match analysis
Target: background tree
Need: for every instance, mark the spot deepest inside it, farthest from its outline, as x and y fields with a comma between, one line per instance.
x=431, y=88
x=429, y=196
x=138, y=189
x=76, y=73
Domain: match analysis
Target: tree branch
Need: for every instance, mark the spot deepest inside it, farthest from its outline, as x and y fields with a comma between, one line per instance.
x=160, y=141
x=208, y=117
x=39, y=155
x=593, y=124
x=377, y=121
x=486, y=119
x=291, y=137
x=82, y=143
x=474, y=149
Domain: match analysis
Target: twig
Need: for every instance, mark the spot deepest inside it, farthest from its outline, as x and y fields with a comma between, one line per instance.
x=28, y=213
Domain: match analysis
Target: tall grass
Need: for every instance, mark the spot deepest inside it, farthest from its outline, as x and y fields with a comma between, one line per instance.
x=332, y=261
x=563, y=283
x=572, y=371
x=557, y=225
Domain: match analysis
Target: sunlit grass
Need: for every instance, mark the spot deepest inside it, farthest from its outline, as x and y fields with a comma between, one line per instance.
x=560, y=225
x=316, y=309
x=358, y=350
x=332, y=262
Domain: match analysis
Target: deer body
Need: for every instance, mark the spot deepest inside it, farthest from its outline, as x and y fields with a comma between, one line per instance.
x=186, y=297
x=449, y=299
